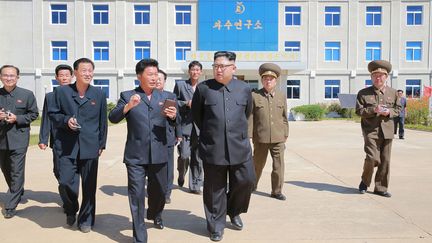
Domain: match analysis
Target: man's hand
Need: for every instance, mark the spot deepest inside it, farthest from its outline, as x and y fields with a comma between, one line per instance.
x=100, y=152
x=10, y=117
x=73, y=124
x=170, y=112
x=2, y=114
x=133, y=101
x=42, y=146
x=189, y=103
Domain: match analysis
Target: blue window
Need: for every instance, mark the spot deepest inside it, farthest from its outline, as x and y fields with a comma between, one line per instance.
x=183, y=14
x=293, y=89
x=58, y=14
x=292, y=46
x=103, y=84
x=180, y=48
x=412, y=88
x=332, y=51
x=373, y=50
x=373, y=16
x=332, y=16
x=414, y=15
x=101, y=50
x=142, y=50
x=142, y=14
x=331, y=89
x=368, y=83
x=100, y=14
x=59, y=50
x=413, y=51
x=292, y=15
x=137, y=83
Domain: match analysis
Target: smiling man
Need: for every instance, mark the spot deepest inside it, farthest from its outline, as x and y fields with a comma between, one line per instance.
x=377, y=105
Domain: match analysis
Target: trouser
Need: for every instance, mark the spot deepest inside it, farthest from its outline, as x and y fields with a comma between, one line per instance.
x=156, y=190
x=12, y=164
x=55, y=165
x=170, y=171
x=189, y=157
x=277, y=151
x=70, y=171
x=184, y=152
x=221, y=199
x=401, y=122
x=378, y=153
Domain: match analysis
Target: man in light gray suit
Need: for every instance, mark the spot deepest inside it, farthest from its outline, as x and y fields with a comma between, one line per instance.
x=188, y=147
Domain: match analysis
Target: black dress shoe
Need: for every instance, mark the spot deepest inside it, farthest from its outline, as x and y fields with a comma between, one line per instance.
x=9, y=213
x=400, y=137
x=70, y=219
x=383, y=194
x=85, y=228
x=216, y=236
x=362, y=188
x=237, y=222
x=180, y=181
x=198, y=192
x=279, y=196
x=158, y=223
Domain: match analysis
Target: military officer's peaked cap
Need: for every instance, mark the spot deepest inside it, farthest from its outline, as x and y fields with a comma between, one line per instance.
x=269, y=69
x=380, y=66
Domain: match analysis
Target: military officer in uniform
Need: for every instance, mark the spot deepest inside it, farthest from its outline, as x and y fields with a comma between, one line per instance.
x=221, y=108
x=268, y=127
x=377, y=105
x=18, y=109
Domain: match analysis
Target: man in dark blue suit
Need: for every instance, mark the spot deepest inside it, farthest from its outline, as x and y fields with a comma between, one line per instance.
x=63, y=75
x=173, y=134
x=18, y=109
x=220, y=108
x=80, y=119
x=188, y=149
x=146, y=150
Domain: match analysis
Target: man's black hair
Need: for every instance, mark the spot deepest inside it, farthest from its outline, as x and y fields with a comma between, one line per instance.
x=144, y=63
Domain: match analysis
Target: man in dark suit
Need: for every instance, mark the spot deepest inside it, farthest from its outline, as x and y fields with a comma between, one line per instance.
x=18, y=109
x=188, y=149
x=146, y=150
x=63, y=75
x=173, y=134
x=80, y=119
x=220, y=108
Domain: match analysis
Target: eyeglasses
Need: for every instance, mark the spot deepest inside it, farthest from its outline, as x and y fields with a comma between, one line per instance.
x=221, y=66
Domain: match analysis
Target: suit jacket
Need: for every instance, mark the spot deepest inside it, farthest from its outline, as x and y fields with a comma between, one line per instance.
x=173, y=129
x=184, y=92
x=91, y=114
x=147, y=133
x=221, y=113
x=372, y=124
x=268, y=122
x=46, y=130
x=22, y=103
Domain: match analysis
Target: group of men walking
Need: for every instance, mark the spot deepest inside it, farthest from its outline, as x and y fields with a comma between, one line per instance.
x=213, y=121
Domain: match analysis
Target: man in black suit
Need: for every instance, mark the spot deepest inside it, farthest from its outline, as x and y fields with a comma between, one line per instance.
x=188, y=149
x=18, y=109
x=80, y=119
x=63, y=75
x=146, y=150
x=220, y=108
x=173, y=134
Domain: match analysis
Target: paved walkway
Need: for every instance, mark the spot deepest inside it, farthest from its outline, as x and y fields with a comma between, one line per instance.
x=323, y=166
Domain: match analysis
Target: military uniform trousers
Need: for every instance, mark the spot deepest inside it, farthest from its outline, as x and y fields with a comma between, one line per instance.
x=277, y=151
x=13, y=165
x=378, y=153
x=170, y=171
x=156, y=191
x=189, y=157
x=221, y=199
x=70, y=171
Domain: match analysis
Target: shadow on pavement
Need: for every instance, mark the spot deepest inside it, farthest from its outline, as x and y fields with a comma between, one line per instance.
x=38, y=196
x=112, y=225
x=324, y=187
x=111, y=190
x=45, y=217
x=184, y=220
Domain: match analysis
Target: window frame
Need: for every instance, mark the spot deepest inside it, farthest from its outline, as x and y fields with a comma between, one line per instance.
x=414, y=13
x=183, y=48
x=142, y=13
x=413, y=50
x=293, y=15
x=374, y=14
x=290, y=89
x=183, y=13
x=59, y=49
x=101, y=12
x=332, y=49
x=373, y=49
x=143, y=49
x=333, y=14
x=101, y=48
x=59, y=12
x=293, y=48
x=332, y=87
x=412, y=87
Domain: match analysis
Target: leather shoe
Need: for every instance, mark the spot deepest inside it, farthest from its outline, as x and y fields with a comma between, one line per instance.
x=237, y=222
x=158, y=223
x=362, y=188
x=279, y=196
x=70, y=219
x=198, y=192
x=85, y=228
x=383, y=194
x=180, y=181
x=216, y=236
x=9, y=213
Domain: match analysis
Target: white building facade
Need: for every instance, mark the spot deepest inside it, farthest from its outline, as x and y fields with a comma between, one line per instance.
x=323, y=46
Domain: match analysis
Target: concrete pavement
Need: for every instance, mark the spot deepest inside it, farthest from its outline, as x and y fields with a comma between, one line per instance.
x=323, y=166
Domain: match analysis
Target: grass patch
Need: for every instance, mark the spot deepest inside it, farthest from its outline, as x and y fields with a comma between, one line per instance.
x=419, y=127
x=34, y=139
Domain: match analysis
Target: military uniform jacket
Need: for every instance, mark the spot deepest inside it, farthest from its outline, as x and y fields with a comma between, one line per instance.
x=91, y=114
x=47, y=131
x=372, y=124
x=184, y=92
x=22, y=103
x=268, y=122
x=147, y=133
x=221, y=113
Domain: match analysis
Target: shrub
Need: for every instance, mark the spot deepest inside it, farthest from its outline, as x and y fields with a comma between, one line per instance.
x=110, y=106
x=343, y=112
x=417, y=111
x=311, y=112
